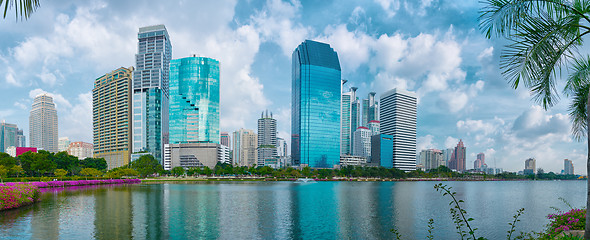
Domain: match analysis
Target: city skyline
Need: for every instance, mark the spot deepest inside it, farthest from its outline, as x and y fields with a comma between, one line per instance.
x=447, y=62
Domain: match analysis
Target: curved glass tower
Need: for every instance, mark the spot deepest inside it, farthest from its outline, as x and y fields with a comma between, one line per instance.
x=194, y=100
x=316, y=96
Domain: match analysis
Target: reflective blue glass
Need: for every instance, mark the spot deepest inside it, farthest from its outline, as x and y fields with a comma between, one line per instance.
x=194, y=100
x=316, y=99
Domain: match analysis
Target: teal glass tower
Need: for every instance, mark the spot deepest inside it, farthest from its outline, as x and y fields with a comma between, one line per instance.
x=194, y=100
x=150, y=91
x=316, y=99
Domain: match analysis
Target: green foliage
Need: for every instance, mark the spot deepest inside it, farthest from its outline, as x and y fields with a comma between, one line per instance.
x=60, y=173
x=146, y=165
x=22, y=8
x=3, y=172
x=91, y=172
x=396, y=234
x=97, y=163
x=430, y=235
x=513, y=224
x=120, y=172
x=177, y=171
x=458, y=213
x=16, y=169
x=7, y=160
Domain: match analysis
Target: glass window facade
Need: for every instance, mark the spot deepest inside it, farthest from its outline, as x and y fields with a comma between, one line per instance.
x=316, y=100
x=194, y=100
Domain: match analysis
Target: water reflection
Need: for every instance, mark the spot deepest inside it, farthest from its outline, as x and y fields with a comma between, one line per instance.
x=282, y=210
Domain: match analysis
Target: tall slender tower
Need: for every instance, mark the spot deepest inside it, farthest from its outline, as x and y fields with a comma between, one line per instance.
x=111, y=117
x=9, y=136
x=370, y=109
x=194, y=100
x=150, y=91
x=43, y=123
x=398, y=119
x=267, y=138
x=316, y=99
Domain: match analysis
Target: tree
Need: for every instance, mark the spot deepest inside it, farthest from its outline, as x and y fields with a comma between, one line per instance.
x=177, y=171
x=97, y=163
x=60, y=173
x=90, y=172
x=3, y=172
x=16, y=169
x=67, y=162
x=146, y=165
x=7, y=160
x=544, y=37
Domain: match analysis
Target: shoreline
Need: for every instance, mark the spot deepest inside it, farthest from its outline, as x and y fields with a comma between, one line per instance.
x=270, y=179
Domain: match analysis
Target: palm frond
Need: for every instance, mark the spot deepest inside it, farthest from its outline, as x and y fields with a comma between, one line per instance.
x=578, y=113
x=540, y=46
x=22, y=8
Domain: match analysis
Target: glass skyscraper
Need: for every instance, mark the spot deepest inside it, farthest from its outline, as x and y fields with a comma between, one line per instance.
x=194, y=100
x=150, y=90
x=316, y=99
x=350, y=120
x=9, y=136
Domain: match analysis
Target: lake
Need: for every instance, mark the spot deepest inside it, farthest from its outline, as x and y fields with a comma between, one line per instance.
x=285, y=210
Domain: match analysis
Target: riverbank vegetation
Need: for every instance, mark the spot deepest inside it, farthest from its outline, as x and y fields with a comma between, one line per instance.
x=18, y=195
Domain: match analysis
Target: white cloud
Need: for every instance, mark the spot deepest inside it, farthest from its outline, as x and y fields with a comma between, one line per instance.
x=390, y=6
x=424, y=142
x=77, y=120
x=58, y=99
x=451, y=142
x=353, y=47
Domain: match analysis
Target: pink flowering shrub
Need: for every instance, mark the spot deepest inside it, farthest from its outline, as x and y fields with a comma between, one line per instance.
x=73, y=183
x=18, y=195
x=574, y=219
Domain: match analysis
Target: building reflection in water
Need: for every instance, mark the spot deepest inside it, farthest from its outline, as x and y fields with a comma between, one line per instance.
x=113, y=214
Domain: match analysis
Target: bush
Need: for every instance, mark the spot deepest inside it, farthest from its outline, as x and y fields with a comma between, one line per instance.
x=18, y=195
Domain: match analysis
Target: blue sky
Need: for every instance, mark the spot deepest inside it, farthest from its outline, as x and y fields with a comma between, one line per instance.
x=432, y=47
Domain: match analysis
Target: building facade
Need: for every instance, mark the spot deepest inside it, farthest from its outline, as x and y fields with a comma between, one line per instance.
x=315, y=113
x=9, y=136
x=370, y=109
x=111, y=117
x=362, y=142
x=43, y=123
x=374, y=126
x=245, y=144
x=150, y=91
x=432, y=158
x=568, y=167
x=194, y=100
x=382, y=150
x=191, y=155
x=81, y=150
x=458, y=158
x=398, y=111
x=267, y=138
x=480, y=162
x=349, y=119
x=225, y=140
x=530, y=166
x=63, y=143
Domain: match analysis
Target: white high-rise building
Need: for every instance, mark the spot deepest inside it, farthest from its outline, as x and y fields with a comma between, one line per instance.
x=398, y=112
x=43, y=123
x=362, y=142
x=267, y=138
x=281, y=147
x=62, y=144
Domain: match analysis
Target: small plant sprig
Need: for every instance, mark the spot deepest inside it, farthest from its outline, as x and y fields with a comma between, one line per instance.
x=396, y=234
x=513, y=223
x=457, y=213
x=430, y=228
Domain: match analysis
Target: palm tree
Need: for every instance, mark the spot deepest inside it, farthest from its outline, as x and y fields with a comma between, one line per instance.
x=22, y=8
x=544, y=38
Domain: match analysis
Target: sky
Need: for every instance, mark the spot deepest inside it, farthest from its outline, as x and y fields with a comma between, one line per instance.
x=431, y=47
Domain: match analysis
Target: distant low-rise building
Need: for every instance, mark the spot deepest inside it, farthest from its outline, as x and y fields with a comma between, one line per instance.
x=348, y=160
x=188, y=155
x=17, y=151
x=81, y=150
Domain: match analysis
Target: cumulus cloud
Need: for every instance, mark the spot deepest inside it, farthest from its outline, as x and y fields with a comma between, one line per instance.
x=425, y=142
x=451, y=142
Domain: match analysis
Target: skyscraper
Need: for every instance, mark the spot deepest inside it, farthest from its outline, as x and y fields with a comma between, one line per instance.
x=382, y=150
x=362, y=142
x=281, y=147
x=267, y=138
x=568, y=167
x=194, y=100
x=21, y=140
x=315, y=114
x=398, y=119
x=43, y=123
x=374, y=126
x=530, y=166
x=63, y=143
x=9, y=136
x=224, y=139
x=432, y=158
x=370, y=109
x=150, y=91
x=480, y=161
x=111, y=117
x=457, y=161
x=245, y=144
x=350, y=119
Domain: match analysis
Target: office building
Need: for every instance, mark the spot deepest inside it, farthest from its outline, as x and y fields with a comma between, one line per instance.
x=191, y=155
x=245, y=144
x=62, y=144
x=9, y=136
x=150, y=91
x=349, y=119
x=81, y=150
x=21, y=140
x=194, y=100
x=374, y=126
x=568, y=167
x=447, y=155
x=370, y=109
x=530, y=166
x=223, y=154
x=362, y=142
x=480, y=162
x=281, y=147
x=431, y=158
x=315, y=113
x=457, y=161
x=348, y=160
x=398, y=111
x=43, y=123
x=382, y=150
x=225, y=140
x=111, y=117
x=267, y=138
